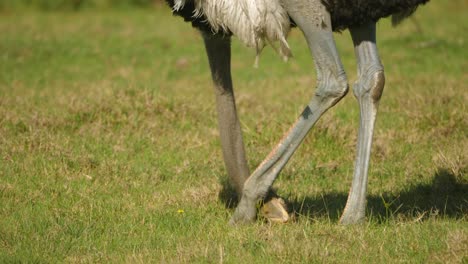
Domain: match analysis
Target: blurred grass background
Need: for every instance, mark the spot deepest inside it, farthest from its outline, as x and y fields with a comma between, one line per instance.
x=73, y=5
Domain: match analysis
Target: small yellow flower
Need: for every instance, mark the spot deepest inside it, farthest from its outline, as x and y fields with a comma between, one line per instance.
x=180, y=211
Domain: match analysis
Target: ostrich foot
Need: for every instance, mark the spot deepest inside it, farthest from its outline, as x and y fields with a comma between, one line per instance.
x=351, y=217
x=275, y=210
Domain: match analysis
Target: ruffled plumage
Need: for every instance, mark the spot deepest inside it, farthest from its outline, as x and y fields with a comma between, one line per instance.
x=254, y=22
x=260, y=22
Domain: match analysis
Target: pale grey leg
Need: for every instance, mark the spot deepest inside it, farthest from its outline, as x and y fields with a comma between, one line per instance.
x=218, y=49
x=312, y=18
x=368, y=90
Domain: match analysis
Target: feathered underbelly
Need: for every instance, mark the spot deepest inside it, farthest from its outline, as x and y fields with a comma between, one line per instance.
x=258, y=22
x=344, y=13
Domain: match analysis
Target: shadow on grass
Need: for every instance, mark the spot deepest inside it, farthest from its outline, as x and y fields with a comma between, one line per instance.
x=444, y=196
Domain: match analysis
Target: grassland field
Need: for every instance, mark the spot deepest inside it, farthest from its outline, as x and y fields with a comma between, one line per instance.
x=109, y=150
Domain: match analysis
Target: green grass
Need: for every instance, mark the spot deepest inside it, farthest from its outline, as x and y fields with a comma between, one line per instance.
x=109, y=148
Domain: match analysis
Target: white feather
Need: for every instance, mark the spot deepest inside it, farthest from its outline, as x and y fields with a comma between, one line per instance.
x=254, y=22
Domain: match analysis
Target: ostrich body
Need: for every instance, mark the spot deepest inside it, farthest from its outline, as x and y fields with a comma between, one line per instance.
x=317, y=19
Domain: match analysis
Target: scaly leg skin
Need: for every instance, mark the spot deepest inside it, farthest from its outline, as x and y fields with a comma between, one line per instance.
x=313, y=19
x=218, y=49
x=368, y=90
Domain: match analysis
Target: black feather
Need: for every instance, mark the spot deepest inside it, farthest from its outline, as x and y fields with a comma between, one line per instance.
x=352, y=13
x=344, y=13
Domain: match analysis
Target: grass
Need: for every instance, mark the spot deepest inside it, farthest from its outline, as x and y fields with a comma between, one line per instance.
x=109, y=148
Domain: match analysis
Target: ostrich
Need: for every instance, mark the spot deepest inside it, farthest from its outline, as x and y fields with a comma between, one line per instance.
x=257, y=22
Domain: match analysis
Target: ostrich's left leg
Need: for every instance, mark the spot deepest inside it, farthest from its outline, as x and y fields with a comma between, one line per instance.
x=368, y=90
x=313, y=19
x=218, y=49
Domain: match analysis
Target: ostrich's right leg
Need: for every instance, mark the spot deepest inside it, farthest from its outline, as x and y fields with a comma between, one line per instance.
x=218, y=49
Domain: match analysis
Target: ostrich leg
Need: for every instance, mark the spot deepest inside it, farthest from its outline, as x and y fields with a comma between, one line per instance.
x=368, y=90
x=313, y=19
x=218, y=49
